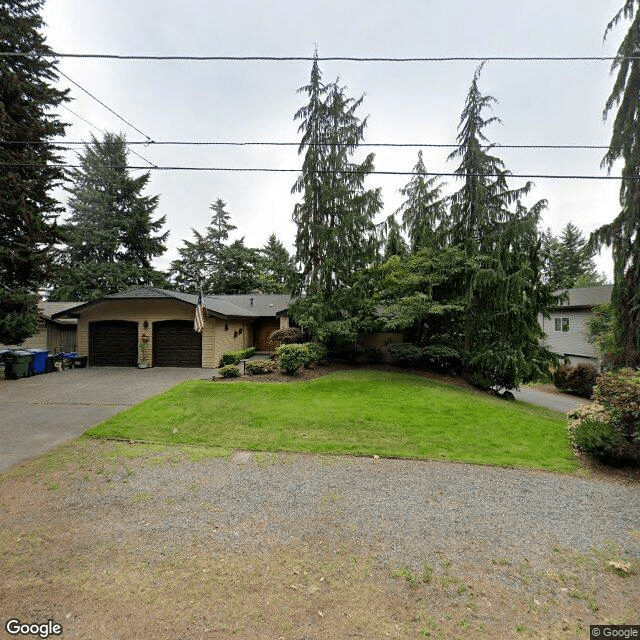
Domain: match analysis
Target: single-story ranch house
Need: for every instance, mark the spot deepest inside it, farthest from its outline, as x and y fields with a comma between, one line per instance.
x=565, y=328
x=111, y=329
x=54, y=334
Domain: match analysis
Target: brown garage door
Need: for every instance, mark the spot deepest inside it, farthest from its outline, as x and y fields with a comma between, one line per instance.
x=113, y=343
x=176, y=344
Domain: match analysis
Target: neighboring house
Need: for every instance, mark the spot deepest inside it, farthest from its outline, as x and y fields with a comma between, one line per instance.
x=565, y=329
x=110, y=329
x=54, y=334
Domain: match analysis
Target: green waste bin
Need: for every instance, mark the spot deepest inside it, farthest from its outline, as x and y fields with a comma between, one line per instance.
x=17, y=364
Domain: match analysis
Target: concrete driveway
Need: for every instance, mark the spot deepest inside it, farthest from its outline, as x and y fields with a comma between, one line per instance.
x=38, y=413
x=557, y=401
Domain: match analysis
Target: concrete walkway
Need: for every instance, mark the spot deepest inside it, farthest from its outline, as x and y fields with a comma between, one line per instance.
x=38, y=413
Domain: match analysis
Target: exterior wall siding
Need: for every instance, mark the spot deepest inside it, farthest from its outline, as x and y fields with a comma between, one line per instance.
x=230, y=339
x=572, y=342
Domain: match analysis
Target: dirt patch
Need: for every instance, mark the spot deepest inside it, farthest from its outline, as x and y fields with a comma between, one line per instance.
x=115, y=567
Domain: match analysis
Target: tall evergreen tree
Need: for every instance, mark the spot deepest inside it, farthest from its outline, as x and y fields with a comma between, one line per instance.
x=424, y=212
x=499, y=235
x=28, y=170
x=623, y=234
x=336, y=236
x=277, y=271
x=392, y=238
x=110, y=237
x=200, y=262
x=209, y=264
x=570, y=260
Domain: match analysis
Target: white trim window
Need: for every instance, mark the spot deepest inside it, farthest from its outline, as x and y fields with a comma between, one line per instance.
x=562, y=325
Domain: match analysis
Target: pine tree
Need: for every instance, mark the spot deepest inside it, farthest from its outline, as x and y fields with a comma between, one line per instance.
x=623, y=234
x=336, y=236
x=570, y=260
x=110, y=237
x=424, y=212
x=28, y=172
x=277, y=272
x=500, y=332
x=209, y=264
x=392, y=238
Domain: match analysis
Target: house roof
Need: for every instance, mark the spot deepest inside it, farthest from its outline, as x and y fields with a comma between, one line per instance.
x=225, y=306
x=49, y=309
x=586, y=297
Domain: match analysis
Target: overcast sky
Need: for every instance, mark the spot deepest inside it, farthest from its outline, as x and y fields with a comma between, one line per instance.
x=538, y=102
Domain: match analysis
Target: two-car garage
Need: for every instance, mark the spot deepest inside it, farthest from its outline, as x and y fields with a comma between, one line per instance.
x=114, y=343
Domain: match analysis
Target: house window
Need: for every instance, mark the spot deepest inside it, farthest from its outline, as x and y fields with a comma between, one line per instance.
x=562, y=324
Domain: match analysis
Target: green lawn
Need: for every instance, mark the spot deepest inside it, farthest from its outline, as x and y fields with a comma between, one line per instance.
x=352, y=412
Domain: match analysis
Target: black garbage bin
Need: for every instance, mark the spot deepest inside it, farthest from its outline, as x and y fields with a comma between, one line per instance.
x=17, y=364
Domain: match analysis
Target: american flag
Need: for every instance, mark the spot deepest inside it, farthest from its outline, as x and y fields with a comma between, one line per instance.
x=198, y=323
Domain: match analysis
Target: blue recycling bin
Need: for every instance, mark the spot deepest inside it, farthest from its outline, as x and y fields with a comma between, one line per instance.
x=39, y=361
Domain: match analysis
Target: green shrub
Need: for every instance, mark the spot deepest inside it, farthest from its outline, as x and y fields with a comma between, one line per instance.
x=256, y=367
x=478, y=379
x=234, y=357
x=442, y=358
x=317, y=353
x=229, y=371
x=291, y=357
x=595, y=437
x=374, y=355
x=407, y=355
x=619, y=393
x=292, y=335
x=346, y=352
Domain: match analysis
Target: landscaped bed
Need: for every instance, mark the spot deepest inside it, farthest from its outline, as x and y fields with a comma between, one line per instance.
x=361, y=412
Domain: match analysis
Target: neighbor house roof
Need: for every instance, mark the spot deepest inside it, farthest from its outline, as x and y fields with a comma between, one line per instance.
x=225, y=306
x=586, y=297
x=49, y=309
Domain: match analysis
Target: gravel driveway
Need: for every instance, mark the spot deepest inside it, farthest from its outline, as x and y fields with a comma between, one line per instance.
x=407, y=510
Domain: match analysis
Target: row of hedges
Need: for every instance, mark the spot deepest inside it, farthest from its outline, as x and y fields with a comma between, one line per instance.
x=578, y=380
x=234, y=357
x=610, y=428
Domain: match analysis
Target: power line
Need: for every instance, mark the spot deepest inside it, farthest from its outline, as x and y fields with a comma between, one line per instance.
x=117, y=115
x=297, y=144
x=114, y=56
x=327, y=171
x=135, y=153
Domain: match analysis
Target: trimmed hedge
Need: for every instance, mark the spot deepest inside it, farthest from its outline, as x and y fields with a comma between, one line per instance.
x=229, y=371
x=256, y=367
x=293, y=356
x=407, y=355
x=234, y=357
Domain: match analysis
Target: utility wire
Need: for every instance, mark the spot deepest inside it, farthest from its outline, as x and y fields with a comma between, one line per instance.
x=98, y=128
x=328, y=171
x=117, y=115
x=297, y=144
x=113, y=56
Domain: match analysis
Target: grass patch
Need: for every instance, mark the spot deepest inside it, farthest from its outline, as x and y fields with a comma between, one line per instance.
x=354, y=412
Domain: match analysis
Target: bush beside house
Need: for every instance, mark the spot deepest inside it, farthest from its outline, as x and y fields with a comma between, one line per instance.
x=610, y=428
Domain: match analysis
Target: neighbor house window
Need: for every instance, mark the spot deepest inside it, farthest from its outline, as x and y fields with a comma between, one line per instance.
x=562, y=324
